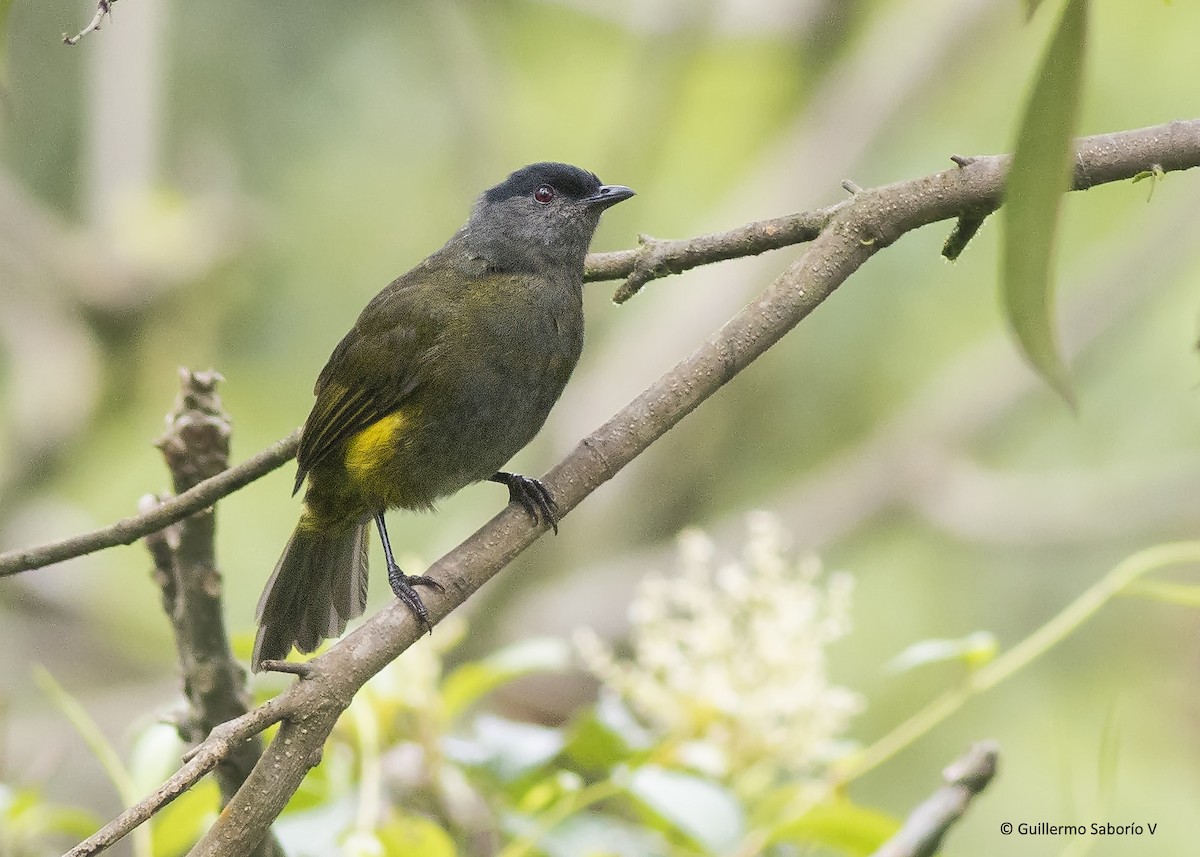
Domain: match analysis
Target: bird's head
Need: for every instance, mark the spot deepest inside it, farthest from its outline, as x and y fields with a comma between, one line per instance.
x=542, y=215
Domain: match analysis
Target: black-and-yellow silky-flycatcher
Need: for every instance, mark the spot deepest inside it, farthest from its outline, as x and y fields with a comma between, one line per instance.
x=447, y=373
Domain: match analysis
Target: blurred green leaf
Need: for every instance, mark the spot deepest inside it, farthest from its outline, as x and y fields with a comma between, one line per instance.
x=595, y=835
x=605, y=735
x=1183, y=594
x=700, y=809
x=332, y=780
x=180, y=823
x=974, y=650
x=1154, y=174
x=841, y=825
x=155, y=756
x=89, y=732
x=474, y=680
x=1041, y=173
x=26, y=815
x=507, y=748
x=414, y=836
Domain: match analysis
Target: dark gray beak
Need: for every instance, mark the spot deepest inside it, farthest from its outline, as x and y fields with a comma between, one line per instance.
x=610, y=194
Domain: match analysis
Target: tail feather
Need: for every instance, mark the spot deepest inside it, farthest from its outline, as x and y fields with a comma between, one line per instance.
x=319, y=584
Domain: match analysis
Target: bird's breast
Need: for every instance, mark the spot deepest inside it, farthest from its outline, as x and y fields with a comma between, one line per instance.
x=498, y=375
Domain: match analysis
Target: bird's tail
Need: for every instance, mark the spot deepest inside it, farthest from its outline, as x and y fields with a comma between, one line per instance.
x=319, y=584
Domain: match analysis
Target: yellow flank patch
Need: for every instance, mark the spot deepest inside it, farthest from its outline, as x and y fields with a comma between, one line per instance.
x=370, y=448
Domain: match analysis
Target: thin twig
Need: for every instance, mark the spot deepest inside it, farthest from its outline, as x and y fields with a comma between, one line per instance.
x=129, y=530
x=103, y=8
x=926, y=826
x=199, y=761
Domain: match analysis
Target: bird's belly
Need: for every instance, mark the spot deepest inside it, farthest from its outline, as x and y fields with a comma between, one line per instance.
x=452, y=433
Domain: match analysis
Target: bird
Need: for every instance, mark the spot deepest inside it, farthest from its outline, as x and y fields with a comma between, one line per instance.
x=447, y=372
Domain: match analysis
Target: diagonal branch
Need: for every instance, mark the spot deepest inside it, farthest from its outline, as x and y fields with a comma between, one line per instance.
x=860, y=228
x=1100, y=159
x=856, y=230
x=129, y=530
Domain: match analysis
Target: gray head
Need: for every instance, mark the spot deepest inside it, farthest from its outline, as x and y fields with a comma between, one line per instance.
x=542, y=216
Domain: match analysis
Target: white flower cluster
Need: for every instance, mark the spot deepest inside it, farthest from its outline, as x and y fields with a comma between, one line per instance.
x=730, y=654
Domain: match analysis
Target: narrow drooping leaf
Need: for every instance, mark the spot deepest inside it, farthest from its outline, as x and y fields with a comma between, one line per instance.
x=471, y=681
x=1041, y=173
x=698, y=808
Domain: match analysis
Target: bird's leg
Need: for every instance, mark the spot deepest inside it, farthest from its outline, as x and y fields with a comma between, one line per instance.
x=402, y=584
x=534, y=497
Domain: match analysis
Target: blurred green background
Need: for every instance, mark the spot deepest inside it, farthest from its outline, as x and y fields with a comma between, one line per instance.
x=225, y=185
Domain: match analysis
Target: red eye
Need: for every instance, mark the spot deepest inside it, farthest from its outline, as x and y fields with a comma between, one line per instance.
x=544, y=194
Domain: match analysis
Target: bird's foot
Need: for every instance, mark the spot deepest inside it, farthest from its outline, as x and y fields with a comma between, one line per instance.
x=403, y=587
x=533, y=496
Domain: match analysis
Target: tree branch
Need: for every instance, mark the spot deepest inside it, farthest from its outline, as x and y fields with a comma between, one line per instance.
x=199, y=761
x=856, y=229
x=196, y=447
x=659, y=258
x=103, y=9
x=1100, y=159
x=966, y=777
x=129, y=530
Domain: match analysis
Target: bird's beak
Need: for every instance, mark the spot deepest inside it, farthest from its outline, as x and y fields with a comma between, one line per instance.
x=609, y=194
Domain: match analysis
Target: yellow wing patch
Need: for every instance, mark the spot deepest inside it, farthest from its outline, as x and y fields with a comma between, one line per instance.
x=369, y=450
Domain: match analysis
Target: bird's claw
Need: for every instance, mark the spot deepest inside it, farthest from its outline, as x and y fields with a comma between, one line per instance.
x=402, y=586
x=533, y=496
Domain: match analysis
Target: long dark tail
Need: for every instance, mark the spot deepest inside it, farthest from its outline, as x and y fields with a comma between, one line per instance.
x=319, y=584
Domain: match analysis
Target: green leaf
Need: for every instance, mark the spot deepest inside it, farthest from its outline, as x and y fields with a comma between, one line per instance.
x=1183, y=594
x=414, y=836
x=472, y=681
x=1041, y=172
x=593, y=835
x=507, y=748
x=700, y=809
x=1155, y=174
x=154, y=756
x=841, y=825
x=90, y=732
x=606, y=735
x=26, y=815
x=179, y=824
x=974, y=650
